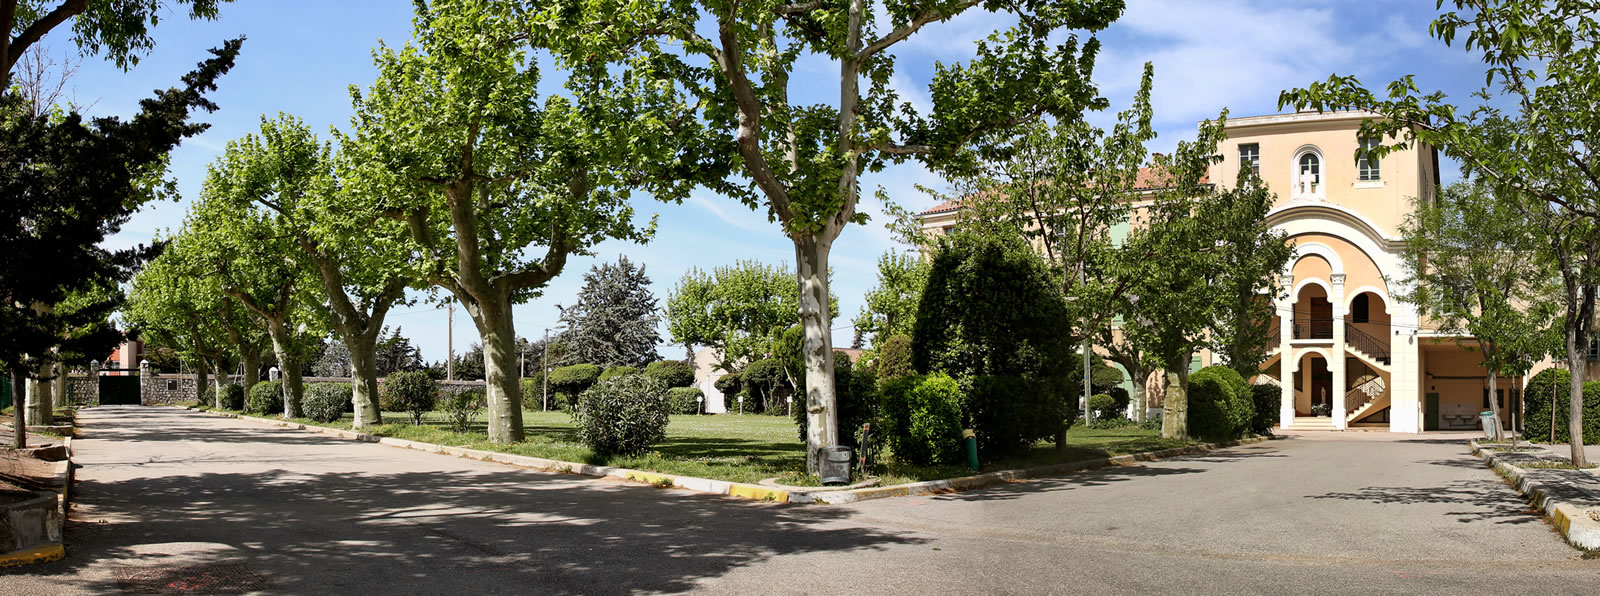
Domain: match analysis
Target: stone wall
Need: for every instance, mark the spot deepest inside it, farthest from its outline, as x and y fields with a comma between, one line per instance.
x=84, y=389
x=171, y=388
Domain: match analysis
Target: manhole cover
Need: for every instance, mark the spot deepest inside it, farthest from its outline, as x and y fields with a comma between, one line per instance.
x=210, y=578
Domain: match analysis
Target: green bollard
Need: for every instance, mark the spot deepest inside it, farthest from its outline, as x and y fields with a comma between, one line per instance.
x=971, y=440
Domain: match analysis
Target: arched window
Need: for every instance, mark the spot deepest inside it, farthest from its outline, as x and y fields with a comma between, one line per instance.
x=1310, y=174
x=1360, y=309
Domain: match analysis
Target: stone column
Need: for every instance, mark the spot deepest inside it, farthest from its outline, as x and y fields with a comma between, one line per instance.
x=1288, y=365
x=93, y=397
x=145, y=380
x=1336, y=363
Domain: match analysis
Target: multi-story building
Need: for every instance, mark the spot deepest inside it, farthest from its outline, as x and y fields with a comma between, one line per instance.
x=1345, y=352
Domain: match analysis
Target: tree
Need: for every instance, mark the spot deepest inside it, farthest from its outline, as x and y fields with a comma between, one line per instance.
x=891, y=308
x=175, y=302
x=1250, y=257
x=614, y=321
x=119, y=29
x=804, y=162
x=1541, y=155
x=70, y=184
x=1476, y=268
x=357, y=256
x=481, y=170
x=396, y=354
x=736, y=310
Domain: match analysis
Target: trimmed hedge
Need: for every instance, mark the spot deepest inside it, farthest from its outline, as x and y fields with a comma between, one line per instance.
x=533, y=394
x=266, y=397
x=568, y=382
x=671, y=373
x=617, y=371
x=1536, y=399
x=683, y=399
x=922, y=416
x=1104, y=406
x=1221, y=405
x=764, y=384
x=894, y=359
x=325, y=402
x=414, y=393
x=1268, y=399
x=232, y=397
x=730, y=384
x=622, y=415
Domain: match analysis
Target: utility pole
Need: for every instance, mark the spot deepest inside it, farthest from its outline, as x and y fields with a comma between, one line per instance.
x=544, y=377
x=1088, y=414
x=450, y=344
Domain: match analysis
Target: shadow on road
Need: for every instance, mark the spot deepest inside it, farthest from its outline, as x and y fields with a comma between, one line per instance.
x=1487, y=498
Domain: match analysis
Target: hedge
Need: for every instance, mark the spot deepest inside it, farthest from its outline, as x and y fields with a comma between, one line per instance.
x=622, y=415
x=618, y=371
x=672, y=373
x=411, y=392
x=266, y=397
x=569, y=381
x=683, y=399
x=232, y=397
x=922, y=419
x=1536, y=401
x=1220, y=404
x=325, y=402
x=1268, y=401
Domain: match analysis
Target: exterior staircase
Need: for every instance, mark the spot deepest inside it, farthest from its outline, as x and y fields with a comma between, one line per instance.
x=1368, y=396
x=1373, y=350
x=1312, y=423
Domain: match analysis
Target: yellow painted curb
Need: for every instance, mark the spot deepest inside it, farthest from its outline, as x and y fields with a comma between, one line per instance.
x=37, y=554
x=758, y=493
x=649, y=478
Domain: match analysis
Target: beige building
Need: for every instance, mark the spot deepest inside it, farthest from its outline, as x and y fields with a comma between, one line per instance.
x=1346, y=353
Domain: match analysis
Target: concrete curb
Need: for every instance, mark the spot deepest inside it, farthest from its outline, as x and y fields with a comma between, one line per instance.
x=966, y=483
x=1575, y=524
x=752, y=491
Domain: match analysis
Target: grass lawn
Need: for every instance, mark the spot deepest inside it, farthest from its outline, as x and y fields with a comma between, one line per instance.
x=739, y=448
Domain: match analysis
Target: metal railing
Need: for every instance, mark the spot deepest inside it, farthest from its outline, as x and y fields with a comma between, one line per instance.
x=1313, y=328
x=1378, y=348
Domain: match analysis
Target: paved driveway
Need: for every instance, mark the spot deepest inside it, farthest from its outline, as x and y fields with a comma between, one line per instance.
x=168, y=497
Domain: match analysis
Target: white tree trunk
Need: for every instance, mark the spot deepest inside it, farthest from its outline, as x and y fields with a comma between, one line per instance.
x=364, y=380
x=1575, y=364
x=1175, y=406
x=288, y=367
x=811, y=259
x=498, y=332
x=40, y=403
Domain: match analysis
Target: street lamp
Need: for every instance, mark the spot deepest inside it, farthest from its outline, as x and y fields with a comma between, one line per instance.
x=700, y=403
x=741, y=405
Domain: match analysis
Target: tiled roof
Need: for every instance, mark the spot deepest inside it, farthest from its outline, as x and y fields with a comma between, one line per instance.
x=1150, y=178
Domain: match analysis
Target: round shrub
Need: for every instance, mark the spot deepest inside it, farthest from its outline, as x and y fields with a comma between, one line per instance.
x=1010, y=413
x=1267, y=400
x=232, y=397
x=922, y=415
x=1220, y=404
x=683, y=399
x=324, y=402
x=1537, y=396
x=617, y=371
x=672, y=373
x=623, y=415
x=266, y=397
x=730, y=384
x=1104, y=406
x=1121, y=397
x=411, y=392
x=569, y=381
x=894, y=359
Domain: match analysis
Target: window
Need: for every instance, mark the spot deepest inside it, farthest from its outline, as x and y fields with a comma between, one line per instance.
x=1250, y=156
x=1359, y=309
x=1310, y=174
x=1594, y=349
x=1366, y=164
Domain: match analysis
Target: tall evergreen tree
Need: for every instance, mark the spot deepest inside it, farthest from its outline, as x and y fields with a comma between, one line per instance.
x=614, y=321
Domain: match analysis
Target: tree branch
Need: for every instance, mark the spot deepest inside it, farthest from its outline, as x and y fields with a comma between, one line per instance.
x=37, y=29
x=905, y=31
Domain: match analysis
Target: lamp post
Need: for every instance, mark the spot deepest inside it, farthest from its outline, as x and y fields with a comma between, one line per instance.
x=700, y=403
x=272, y=373
x=545, y=377
x=741, y=405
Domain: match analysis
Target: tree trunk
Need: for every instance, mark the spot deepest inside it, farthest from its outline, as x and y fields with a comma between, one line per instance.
x=1494, y=404
x=19, y=420
x=1575, y=364
x=1136, y=405
x=498, y=332
x=1175, y=405
x=40, y=406
x=222, y=379
x=202, y=375
x=364, y=381
x=811, y=260
x=252, y=367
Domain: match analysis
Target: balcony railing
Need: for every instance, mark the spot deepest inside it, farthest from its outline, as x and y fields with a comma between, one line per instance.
x=1313, y=329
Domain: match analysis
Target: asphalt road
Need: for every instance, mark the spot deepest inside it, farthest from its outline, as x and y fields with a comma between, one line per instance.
x=175, y=501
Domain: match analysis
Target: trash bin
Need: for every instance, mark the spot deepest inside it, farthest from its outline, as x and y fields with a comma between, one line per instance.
x=835, y=464
x=1491, y=425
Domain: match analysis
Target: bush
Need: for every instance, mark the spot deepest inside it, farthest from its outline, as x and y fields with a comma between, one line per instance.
x=856, y=401
x=922, y=419
x=683, y=399
x=671, y=373
x=617, y=371
x=232, y=397
x=765, y=387
x=411, y=392
x=207, y=395
x=1010, y=413
x=461, y=408
x=1268, y=399
x=1104, y=406
x=533, y=393
x=1221, y=404
x=1536, y=398
x=894, y=359
x=266, y=397
x=325, y=402
x=569, y=381
x=622, y=415
x=1121, y=398
x=730, y=384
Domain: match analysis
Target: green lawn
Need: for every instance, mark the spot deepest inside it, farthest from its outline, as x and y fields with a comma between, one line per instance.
x=739, y=448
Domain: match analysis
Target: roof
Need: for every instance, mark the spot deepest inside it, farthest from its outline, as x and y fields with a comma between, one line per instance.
x=1149, y=178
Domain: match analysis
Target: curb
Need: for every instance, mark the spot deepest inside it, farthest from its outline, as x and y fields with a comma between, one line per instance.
x=39, y=554
x=1578, y=527
x=966, y=483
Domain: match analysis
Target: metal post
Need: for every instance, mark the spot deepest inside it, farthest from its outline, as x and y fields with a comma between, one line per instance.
x=1088, y=414
x=450, y=344
x=545, y=377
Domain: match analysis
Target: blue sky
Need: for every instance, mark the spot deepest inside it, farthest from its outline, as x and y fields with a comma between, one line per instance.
x=302, y=56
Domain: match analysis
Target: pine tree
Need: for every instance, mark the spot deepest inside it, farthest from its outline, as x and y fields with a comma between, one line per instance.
x=614, y=321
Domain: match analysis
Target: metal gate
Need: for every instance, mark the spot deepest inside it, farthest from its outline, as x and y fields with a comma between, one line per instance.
x=120, y=390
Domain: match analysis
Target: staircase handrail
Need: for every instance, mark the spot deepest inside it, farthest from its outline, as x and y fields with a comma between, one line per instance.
x=1365, y=342
x=1362, y=394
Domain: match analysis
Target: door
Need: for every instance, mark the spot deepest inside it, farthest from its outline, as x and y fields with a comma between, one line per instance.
x=1430, y=412
x=123, y=390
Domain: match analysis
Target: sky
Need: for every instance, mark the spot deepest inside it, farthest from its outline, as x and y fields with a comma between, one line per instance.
x=302, y=56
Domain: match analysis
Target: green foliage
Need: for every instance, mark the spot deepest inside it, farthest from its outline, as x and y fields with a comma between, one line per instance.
x=623, y=415
x=922, y=419
x=1268, y=400
x=1104, y=406
x=1010, y=413
x=894, y=359
x=1221, y=404
x=1249, y=255
x=411, y=392
x=614, y=321
x=891, y=308
x=617, y=371
x=570, y=381
x=325, y=402
x=232, y=397
x=683, y=399
x=533, y=394
x=858, y=402
x=765, y=387
x=672, y=373
x=1537, y=399
x=735, y=309
x=266, y=397
x=461, y=408
x=730, y=384
x=118, y=30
